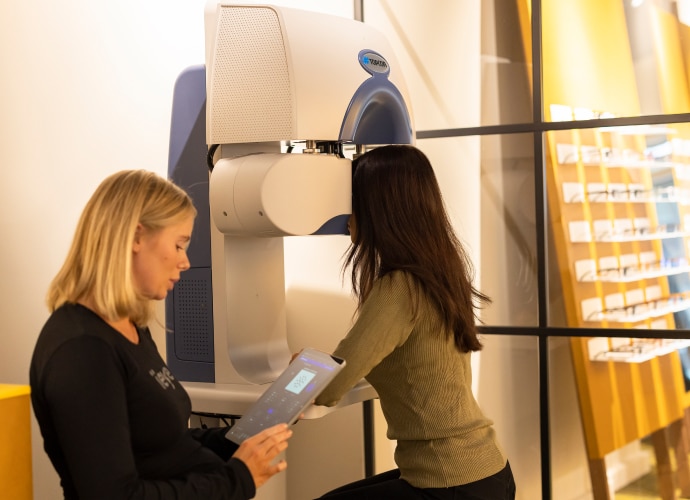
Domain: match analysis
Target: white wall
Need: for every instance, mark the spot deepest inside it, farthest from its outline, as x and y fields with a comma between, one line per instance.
x=86, y=90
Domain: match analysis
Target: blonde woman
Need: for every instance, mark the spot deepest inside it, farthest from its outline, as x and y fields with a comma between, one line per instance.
x=113, y=417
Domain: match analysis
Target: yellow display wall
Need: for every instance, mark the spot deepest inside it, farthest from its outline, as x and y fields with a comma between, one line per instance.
x=15, y=443
x=671, y=62
x=588, y=68
x=587, y=60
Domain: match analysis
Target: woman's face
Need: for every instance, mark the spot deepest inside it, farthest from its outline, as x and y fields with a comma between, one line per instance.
x=158, y=258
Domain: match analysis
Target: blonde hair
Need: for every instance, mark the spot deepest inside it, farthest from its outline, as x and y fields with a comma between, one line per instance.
x=98, y=267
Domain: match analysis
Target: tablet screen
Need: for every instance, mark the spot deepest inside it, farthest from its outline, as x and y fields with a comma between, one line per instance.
x=292, y=392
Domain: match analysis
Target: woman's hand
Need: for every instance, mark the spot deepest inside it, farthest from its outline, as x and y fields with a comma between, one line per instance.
x=258, y=452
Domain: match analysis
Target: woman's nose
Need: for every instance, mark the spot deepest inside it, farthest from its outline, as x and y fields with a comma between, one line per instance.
x=185, y=264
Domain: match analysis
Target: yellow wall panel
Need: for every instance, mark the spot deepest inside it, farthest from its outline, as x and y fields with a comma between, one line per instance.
x=673, y=83
x=684, y=34
x=587, y=57
x=15, y=443
x=525, y=15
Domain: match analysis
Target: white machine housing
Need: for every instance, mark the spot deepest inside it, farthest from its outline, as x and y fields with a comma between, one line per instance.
x=276, y=75
x=277, y=194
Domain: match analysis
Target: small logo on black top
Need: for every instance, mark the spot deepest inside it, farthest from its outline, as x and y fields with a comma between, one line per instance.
x=163, y=377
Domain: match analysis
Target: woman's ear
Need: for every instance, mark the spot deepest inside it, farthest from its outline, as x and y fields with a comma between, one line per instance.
x=138, y=234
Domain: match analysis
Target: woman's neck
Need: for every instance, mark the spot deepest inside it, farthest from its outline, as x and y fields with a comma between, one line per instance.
x=124, y=326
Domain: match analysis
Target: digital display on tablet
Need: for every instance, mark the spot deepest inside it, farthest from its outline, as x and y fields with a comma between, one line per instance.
x=300, y=381
x=292, y=392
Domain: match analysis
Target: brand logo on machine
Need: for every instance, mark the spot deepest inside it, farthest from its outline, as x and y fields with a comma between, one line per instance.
x=374, y=62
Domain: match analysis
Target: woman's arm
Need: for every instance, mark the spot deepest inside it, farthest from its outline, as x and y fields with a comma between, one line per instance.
x=384, y=323
x=214, y=439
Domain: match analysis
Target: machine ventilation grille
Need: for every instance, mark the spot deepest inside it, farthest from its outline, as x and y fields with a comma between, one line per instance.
x=250, y=95
x=193, y=319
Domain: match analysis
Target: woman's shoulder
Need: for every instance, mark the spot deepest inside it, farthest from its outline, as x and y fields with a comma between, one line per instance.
x=398, y=277
x=71, y=332
x=396, y=285
x=71, y=323
x=72, y=320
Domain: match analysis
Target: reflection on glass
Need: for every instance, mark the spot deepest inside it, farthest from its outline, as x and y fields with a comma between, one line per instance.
x=618, y=201
x=488, y=185
x=474, y=70
x=614, y=58
x=506, y=381
x=618, y=207
x=508, y=214
x=617, y=418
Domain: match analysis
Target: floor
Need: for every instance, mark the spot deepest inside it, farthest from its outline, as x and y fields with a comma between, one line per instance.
x=644, y=488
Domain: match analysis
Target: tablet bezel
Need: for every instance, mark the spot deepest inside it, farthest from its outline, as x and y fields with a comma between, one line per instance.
x=325, y=366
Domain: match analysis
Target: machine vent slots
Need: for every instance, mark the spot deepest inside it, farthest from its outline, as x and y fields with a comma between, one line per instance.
x=241, y=84
x=193, y=321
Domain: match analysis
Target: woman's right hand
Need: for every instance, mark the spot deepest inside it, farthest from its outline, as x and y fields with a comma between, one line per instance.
x=259, y=451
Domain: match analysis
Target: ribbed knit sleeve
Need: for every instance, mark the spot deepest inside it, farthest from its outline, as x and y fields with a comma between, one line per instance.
x=384, y=323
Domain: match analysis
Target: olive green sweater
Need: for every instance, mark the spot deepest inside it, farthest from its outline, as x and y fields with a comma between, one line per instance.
x=424, y=385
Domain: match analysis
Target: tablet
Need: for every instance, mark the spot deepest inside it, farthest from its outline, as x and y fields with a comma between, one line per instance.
x=292, y=392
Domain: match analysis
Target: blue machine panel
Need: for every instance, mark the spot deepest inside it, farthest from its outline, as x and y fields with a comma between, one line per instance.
x=189, y=308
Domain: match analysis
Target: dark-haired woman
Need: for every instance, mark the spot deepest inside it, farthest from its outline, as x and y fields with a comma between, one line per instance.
x=414, y=336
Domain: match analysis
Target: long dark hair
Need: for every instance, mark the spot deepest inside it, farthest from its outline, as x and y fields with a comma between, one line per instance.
x=401, y=224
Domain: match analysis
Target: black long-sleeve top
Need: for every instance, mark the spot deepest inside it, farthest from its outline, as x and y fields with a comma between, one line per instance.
x=114, y=419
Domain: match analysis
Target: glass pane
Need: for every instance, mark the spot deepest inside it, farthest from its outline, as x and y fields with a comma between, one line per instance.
x=613, y=58
x=465, y=63
x=619, y=204
x=506, y=382
x=488, y=186
x=616, y=427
